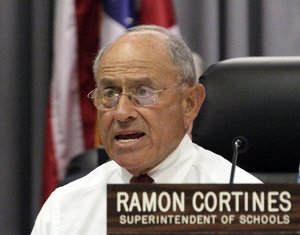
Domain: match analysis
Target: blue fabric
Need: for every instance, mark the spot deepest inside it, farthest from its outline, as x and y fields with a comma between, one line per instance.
x=123, y=11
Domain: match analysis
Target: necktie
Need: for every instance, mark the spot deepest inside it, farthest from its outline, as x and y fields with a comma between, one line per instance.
x=141, y=179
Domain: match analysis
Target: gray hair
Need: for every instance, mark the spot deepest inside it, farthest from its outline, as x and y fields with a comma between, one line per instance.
x=179, y=52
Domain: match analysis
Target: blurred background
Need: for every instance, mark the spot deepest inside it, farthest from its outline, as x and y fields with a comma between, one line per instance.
x=46, y=51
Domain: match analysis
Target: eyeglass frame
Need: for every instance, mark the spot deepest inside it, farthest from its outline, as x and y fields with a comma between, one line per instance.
x=130, y=95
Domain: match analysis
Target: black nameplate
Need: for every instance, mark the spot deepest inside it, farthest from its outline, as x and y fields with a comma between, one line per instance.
x=204, y=209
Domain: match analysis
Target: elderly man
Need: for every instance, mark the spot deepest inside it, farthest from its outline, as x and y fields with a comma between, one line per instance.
x=147, y=97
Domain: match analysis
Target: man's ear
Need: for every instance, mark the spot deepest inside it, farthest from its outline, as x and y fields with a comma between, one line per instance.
x=192, y=103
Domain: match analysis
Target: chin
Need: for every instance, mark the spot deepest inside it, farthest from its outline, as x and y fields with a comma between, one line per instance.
x=124, y=161
x=130, y=166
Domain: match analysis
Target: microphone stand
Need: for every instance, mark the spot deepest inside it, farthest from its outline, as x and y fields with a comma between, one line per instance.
x=236, y=146
x=240, y=145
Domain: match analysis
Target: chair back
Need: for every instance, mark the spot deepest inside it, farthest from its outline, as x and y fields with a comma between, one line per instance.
x=257, y=98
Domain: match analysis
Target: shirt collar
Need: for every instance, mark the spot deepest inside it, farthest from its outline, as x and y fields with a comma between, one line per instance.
x=173, y=169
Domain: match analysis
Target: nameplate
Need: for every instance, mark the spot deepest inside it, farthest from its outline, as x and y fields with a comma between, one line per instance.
x=203, y=208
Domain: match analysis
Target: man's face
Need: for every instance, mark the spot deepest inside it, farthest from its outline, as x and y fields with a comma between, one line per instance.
x=139, y=138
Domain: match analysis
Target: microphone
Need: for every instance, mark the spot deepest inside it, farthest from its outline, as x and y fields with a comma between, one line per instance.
x=240, y=145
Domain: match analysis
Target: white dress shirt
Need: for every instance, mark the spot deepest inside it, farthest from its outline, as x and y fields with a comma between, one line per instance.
x=79, y=208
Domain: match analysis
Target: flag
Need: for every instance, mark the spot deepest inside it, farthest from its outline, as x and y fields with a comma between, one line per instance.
x=159, y=12
x=117, y=16
x=70, y=123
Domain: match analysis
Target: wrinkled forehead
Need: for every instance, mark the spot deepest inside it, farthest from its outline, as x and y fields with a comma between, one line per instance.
x=137, y=53
x=137, y=45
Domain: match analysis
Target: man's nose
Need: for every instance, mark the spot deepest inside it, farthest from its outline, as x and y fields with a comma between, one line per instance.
x=125, y=109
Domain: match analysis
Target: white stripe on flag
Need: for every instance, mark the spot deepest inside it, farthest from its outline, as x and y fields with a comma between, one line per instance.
x=110, y=30
x=66, y=119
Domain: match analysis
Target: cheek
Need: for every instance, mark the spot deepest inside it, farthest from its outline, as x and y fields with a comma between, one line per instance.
x=104, y=123
x=167, y=124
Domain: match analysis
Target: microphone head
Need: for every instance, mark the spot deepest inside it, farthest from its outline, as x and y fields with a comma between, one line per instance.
x=242, y=143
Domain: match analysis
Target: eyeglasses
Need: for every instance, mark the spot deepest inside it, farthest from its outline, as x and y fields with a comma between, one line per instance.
x=108, y=98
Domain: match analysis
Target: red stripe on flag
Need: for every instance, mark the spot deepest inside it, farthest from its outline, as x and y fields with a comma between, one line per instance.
x=157, y=12
x=62, y=145
x=49, y=173
x=88, y=20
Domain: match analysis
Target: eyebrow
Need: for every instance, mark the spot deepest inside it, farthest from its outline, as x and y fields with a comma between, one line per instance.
x=105, y=82
x=129, y=81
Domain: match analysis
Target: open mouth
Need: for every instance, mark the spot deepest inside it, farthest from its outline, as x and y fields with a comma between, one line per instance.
x=126, y=138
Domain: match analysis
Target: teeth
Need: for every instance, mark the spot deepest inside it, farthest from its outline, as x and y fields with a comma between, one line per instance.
x=126, y=140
